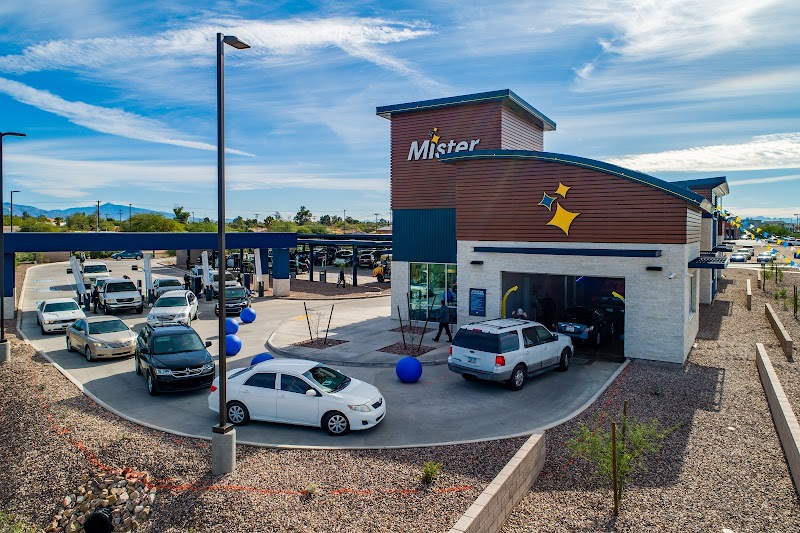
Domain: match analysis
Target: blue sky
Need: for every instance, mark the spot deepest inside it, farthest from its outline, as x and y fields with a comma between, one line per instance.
x=119, y=101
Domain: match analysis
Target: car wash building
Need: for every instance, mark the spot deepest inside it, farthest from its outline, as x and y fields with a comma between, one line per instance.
x=487, y=220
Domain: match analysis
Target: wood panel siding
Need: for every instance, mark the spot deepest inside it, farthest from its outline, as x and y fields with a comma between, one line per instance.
x=520, y=133
x=429, y=183
x=694, y=224
x=497, y=201
x=706, y=192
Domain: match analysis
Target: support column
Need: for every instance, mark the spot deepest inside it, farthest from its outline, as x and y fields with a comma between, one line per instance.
x=311, y=263
x=280, y=272
x=9, y=284
x=355, y=266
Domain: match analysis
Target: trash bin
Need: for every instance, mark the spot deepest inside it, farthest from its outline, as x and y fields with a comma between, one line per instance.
x=246, y=280
x=322, y=275
x=197, y=285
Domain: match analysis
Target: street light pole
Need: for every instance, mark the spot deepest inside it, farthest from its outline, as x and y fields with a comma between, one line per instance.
x=223, y=440
x=5, y=349
x=130, y=217
x=11, y=219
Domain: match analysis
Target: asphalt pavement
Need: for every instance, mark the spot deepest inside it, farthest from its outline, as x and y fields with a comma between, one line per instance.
x=441, y=408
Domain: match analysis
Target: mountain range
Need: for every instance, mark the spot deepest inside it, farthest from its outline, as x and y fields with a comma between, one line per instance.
x=107, y=209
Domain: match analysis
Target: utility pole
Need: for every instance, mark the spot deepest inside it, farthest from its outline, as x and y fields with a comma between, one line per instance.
x=797, y=221
x=192, y=217
x=344, y=219
x=256, y=220
x=130, y=217
x=98, y=215
x=376, y=222
x=120, y=219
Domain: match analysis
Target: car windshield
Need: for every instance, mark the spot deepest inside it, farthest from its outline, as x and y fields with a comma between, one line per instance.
x=60, y=306
x=94, y=269
x=577, y=314
x=169, y=283
x=237, y=292
x=171, y=301
x=122, y=286
x=100, y=283
x=177, y=343
x=328, y=379
x=107, y=326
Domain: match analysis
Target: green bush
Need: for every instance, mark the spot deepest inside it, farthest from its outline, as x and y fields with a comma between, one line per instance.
x=430, y=472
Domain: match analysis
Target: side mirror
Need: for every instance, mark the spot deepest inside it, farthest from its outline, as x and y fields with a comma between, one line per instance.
x=208, y=344
x=109, y=271
x=311, y=392
x=554, y=336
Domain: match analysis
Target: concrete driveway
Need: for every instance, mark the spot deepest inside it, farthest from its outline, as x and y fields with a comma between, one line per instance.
x=441, y=408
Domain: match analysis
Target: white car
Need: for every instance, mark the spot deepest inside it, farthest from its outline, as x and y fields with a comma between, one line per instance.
x=162, y=285
x=174, y=306
x=93, y=270
x=230, y=281
x=296, y=391
x=119, y=294
x=57, y=314
x=508, y=350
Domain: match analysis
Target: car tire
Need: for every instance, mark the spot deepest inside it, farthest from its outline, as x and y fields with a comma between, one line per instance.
x=43, y=331
x=380, y=278
x=563, y=362
x=518, y=377
x=69, y=345
x=237, y=413
x=106, y=310
x=140, y=309
x=335, y=423
x=137, y=364
x=87, y=351
x=118, y=258
x=152, y=384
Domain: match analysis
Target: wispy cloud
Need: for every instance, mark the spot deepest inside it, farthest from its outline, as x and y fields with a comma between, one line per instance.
x=102, y=119
x=763, y=152
x=762, y=181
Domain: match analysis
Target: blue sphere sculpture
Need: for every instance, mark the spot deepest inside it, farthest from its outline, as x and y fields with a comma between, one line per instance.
x=233, y=345
x=408, y=370
x=260, y=358
x=231, y=326
x=248, y=315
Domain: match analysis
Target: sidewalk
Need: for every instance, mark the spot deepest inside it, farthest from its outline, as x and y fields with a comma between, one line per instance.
x=363, y=334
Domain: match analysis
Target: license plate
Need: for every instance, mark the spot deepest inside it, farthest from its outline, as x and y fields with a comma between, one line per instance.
x=570, y=329
x=472, y=360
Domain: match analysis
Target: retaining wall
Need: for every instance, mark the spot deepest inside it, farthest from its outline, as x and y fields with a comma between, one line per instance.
x=749, y=296
x=780, y=331
x=492, y=508
x=782, y=414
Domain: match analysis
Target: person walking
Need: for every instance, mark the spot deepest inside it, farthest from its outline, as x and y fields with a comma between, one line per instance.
x=444, y=322
x=341, y=278
x=95, y=298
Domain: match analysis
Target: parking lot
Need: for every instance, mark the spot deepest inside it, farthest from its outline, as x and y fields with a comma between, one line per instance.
x=440, y=408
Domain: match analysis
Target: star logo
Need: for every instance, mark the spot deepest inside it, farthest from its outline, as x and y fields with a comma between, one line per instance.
x=562, y=190
x=433, y=134
x=547, y=201
x=562, y=219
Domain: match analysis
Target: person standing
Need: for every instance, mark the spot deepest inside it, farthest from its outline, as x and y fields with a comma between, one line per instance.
x=341, y=278
x=95, y=297
x=444, y=322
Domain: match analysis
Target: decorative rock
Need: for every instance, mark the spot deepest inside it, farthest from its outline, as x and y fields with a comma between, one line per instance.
x=138, y=509
x=67, y=501
x=151, y=498
x=80, y=499
x=135, y=495
x=123, y=497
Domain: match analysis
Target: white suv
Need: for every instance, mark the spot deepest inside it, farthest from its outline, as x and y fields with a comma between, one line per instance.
x=92, y=270
x=120, y=294
x=507, y=350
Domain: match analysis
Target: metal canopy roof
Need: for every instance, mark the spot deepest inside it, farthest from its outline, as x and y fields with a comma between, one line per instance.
x=344, y=242
x=718, y=185
x=709, y=262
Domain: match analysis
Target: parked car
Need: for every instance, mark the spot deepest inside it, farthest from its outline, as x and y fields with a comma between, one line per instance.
x=296, y=391
x=120, y=294
x=366, y=260
x=56, y=314
x=343, y=258
x=236, y=299
x=162, y=285
x=128, y=254
x=614, y=308
x=101, y=337
x=174, y=306
x=173, y=358
x=92, y=270
x=507, y=350
x=738, y=257
x=586, y=325
x=765, y=257
x=230, y=281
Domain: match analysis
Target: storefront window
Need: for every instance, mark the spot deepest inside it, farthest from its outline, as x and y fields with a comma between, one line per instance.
x=430, y=283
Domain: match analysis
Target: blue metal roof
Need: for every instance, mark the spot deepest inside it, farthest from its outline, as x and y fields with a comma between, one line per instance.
x=505, y=94
x=670, y=188
x=718, y=185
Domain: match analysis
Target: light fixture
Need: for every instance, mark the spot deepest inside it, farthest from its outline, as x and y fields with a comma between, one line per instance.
x=654, y=268
x=476, y=262
x=672, y=275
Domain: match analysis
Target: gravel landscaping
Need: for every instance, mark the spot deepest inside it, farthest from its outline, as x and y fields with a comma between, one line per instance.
x=722, y=468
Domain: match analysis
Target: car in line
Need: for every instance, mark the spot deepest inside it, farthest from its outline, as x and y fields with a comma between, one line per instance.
x=172, y=357
x=366, y=260
x=765, y=257
x=301, y=392
x=56, y=314
x=739, y=257
x=236, y=300
x=120, y=294
x=92, y=270
x=128, y=254
x=508, y=350
x=162, y=285
x=586, y=325
x=100, y=337
x=230, y=281
x=174, y=306
x=747, y=251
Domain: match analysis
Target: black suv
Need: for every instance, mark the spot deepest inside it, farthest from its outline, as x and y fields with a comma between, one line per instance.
x=173, y=358
x=236, y=299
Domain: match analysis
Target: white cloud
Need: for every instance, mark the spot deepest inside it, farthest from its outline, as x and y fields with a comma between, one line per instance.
x=102, y=119
x=761, y=181
x=768, y=211
x=763, y=152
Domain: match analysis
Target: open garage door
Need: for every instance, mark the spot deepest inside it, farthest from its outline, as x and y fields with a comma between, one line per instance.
x=589, y=309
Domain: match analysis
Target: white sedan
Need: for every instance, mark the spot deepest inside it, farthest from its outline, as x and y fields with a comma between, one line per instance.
x=296, y=391
x=174, y=306
x=57, y=314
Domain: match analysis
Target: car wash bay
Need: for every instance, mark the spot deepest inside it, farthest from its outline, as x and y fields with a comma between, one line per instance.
x=545, y=298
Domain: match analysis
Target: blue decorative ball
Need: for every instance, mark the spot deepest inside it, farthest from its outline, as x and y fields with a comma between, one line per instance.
x=231, y=326
x=409, y=370
x=233, y=345
x=248, y=315
x=260, y=358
